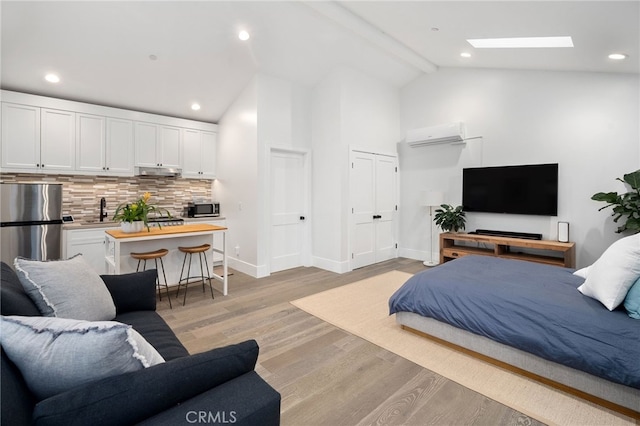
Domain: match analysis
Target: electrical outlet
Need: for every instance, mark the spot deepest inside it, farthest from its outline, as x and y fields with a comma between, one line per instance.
x=237, y=251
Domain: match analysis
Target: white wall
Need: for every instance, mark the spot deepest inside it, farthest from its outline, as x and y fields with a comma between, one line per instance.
x=283, y=122
x=269, y=112
x=237, y=171
x=586, y=122
x=349, y=109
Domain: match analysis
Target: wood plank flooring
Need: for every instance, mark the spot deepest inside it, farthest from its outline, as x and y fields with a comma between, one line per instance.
x=325, y=375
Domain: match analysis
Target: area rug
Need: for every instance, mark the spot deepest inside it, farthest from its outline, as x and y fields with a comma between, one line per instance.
x=362, y=309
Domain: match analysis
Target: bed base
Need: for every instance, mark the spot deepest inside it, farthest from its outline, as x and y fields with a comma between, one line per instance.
x=622, y=399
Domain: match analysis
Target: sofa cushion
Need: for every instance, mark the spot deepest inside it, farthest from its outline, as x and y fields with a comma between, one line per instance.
x=132, y=292
x=58, y=354
x=13, y=299
x=221, y=405
x=155, y=331
x=66, y=288
x=16, y=399
x=132, y=397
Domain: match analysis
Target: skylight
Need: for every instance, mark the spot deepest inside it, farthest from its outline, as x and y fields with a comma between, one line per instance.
x=521, y=42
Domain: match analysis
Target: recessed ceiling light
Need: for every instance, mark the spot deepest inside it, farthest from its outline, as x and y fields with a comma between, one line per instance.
x=243, y=35
x=521, y=42
x=465, y=54
x=617, y=56
x=153, y=57
x=52, y=78
x=195, y=107
x=435, y=29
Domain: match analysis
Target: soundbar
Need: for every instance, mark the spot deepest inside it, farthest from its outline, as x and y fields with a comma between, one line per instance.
x=524, y=235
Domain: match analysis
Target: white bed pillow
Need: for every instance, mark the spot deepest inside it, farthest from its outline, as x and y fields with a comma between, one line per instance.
x=582, y=273
x=612, y=275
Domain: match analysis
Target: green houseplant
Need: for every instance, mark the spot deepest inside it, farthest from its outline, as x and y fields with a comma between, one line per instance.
x=134, y=216
x=625, y=205
x=449, y=218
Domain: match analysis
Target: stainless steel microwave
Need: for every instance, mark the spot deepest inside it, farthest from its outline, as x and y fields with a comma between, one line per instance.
x=203, y=209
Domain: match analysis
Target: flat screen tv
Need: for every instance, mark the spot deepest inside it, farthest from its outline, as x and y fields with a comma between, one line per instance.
x=527, y=189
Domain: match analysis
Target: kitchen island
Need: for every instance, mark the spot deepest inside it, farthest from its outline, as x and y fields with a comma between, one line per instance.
x=119, y=246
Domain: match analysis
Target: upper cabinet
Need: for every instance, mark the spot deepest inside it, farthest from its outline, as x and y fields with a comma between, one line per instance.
x=38, y=139
x=49, y=135
x=20, y=136
x=199, y=154
x=104, y=146
x=119, y=147
x=157, y=145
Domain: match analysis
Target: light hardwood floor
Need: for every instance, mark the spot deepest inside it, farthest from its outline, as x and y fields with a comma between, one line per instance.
x=325, y=375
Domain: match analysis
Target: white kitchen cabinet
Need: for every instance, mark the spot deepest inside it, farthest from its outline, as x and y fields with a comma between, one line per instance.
x=89, y=242
x=199, y=154
x=48, y=135
x=119, y=149
x=104, y=145
x=157, y=145
x=38, y=139
x=20, y=136
x=90, y=143
x=57, y=140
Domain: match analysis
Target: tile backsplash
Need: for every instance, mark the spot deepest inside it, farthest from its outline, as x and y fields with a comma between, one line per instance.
x=81, y=194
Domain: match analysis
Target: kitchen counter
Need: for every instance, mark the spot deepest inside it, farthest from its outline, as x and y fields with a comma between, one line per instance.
x=165, y=232
x=120, y=245
x=111, y=224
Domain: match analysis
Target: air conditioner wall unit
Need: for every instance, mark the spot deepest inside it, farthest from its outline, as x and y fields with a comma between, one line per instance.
x=443, y=134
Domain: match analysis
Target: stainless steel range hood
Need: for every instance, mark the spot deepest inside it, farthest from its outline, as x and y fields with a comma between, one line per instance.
x=158, y=171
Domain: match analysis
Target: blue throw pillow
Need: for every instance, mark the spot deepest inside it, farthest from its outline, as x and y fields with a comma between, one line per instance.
x=66, y=288
x=58, y=354
x=632, y=301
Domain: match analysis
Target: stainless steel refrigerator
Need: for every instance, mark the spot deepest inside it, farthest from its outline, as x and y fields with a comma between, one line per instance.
x=30, y=221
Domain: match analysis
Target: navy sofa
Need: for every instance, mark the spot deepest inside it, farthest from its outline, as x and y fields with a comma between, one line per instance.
x=218, y=386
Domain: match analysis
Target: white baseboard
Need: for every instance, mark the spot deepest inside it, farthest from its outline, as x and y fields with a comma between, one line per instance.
x=331, y=265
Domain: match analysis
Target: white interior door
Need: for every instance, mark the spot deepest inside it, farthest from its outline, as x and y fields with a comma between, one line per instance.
x=288, y=209
x=362, y=181
x=385, y=194
x=373, y=194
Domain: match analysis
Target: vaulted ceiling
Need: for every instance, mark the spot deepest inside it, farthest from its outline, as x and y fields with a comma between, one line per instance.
x=162, y=56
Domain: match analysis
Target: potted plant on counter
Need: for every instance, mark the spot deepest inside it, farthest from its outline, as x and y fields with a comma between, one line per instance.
x=133, y=217
x=449, y=218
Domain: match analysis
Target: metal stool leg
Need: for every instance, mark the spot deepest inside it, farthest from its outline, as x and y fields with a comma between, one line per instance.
x=181, y=272
x=158, y=279
x=201, y=270
x=166, y=285
x=186, y=284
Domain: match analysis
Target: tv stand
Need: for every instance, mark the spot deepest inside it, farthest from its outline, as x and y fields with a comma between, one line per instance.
x=524, y=235
x=454, y=245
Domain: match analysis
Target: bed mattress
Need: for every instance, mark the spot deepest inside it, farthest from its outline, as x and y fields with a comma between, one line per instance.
x=533, y=307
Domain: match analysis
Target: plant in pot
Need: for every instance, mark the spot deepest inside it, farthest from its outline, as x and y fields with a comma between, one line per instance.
x=450, y=218
x=134, y=216
x=625, y=205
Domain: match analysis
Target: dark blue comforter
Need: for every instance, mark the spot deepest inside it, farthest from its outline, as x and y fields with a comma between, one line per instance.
x=533, y=307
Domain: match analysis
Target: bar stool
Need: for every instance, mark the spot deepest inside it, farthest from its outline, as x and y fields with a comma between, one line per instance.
x=189, y=251
x=155, y=255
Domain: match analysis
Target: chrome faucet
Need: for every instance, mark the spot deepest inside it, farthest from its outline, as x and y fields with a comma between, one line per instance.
x=103, y=206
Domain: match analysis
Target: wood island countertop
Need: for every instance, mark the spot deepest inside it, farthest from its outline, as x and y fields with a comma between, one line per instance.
x=166, y=230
